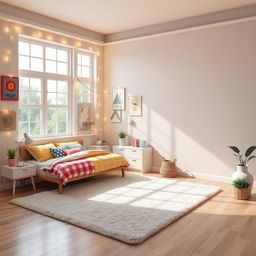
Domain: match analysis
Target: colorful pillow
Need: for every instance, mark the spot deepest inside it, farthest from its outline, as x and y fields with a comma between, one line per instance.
x=58, y=151
x=75, y=146
x=69, y=152
x=58, y=144
x=41, y=152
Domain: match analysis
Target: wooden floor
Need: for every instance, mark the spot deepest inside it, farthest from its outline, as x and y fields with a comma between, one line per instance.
x=221, y=226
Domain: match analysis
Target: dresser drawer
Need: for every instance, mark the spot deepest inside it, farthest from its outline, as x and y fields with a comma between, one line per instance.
x=135, y=163
x=132, y=153
x=24, y=172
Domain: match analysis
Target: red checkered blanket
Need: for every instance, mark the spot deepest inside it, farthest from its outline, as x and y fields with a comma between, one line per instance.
x=76, y=168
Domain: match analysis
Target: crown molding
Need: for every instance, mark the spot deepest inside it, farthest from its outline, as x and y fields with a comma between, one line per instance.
x=33, y=19
x=183, y=24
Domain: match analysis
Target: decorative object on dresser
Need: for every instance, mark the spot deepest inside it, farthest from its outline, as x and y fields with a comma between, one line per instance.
x=135, y=142
x=99, y=141
x=138, y=158
x=241, y=190
x=168, y=168
x=7, y=121
x=242, y=168
x=11, y=153
x=18, y=173
x=143, y=143
x=99, y=147
x=135, y=105
x=122, y=138
x=9, y=88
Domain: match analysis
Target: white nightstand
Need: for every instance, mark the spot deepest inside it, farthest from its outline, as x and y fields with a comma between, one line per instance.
x=18, y=173
x=138, y=158
x=99, y=147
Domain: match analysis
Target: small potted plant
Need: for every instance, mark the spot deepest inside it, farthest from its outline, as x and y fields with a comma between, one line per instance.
x=242, y=168
x=241, y=190
x=11, y=157
x=122, y=138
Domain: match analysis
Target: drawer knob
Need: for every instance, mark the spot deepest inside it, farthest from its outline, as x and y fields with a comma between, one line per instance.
x=133, y=160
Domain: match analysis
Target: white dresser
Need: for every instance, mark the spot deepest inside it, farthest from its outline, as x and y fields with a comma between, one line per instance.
x=138, y=158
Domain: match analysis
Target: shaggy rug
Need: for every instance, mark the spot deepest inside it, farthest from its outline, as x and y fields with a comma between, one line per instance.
x=128, y=209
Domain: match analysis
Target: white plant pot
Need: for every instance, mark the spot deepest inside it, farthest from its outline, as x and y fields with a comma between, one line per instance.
x=122, y=141
x=242, y=173
x=99, y=142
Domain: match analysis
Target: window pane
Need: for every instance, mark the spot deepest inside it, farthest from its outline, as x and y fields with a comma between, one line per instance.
x=23, y=114
x=62, y=56
x=85, y=60
x=62, y=99
x=35, y=98
x=62, y=86
x=35, y=84
x=35, y=128
x=62, y=127
x=24, y=83
x=79, y=59
x=79, y=71
x=51, y=86
x=35, y=114
x=23, y=62
x=36, y=64
x=62, y=68
x=51, y=127
x=51, y=114
x=62, y=114
x=23, y=128
x=50, y=66
x=23, y=97
x=85, y=72
x=36, y=50
x=50, y=53
x=51, y=99
x=23, y=48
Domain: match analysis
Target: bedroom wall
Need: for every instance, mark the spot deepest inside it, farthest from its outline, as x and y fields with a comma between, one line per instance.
x=198, y=88
x=9, y=48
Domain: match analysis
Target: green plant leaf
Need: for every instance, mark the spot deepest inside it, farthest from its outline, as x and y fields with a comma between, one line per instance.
x=235, y=149
x=249, y=151
x=250, y=158
x=240, y=183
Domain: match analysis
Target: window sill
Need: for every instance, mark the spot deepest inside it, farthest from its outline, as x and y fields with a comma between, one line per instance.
x=56, y=139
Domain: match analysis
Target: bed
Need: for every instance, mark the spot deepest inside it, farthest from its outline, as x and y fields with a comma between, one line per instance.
x=74, y=167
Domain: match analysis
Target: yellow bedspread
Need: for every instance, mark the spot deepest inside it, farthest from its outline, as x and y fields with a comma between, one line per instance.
x=107, y=161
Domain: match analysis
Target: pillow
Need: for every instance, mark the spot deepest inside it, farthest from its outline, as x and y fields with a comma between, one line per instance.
x=69, y=152
x=58, y=151
x=67, y=143
x=41, y=152
x=75, y=146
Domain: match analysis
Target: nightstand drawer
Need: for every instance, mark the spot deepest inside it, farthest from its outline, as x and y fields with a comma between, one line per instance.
x=132, y=153
x=135, y=163
x=24, y=172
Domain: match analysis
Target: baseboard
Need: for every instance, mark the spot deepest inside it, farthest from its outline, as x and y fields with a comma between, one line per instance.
x=202, y=175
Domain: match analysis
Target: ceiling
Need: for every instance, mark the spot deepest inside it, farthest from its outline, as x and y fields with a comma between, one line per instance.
x=111, y=16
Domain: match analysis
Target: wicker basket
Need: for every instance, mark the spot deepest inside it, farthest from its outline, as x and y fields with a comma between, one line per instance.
x=168, y=168
x=241, y=193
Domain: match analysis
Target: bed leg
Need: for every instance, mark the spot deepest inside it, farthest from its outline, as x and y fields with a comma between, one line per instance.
x=122, y=172
x=60, y=188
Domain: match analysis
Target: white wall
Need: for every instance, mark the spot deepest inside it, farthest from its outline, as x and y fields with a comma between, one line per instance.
x=198, y=89
x=9, y=47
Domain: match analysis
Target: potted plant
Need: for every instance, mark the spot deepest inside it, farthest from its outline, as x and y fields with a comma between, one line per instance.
x=241, y=190
x=11, y=157
x=242, y=168
x=122, y=138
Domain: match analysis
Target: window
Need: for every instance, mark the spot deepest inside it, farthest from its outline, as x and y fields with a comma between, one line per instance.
x=45, y=89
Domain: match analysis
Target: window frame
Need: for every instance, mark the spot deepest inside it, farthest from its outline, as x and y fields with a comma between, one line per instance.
x=44, y=76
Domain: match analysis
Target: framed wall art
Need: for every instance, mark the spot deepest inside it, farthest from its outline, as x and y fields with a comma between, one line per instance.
x=7, y=121
x=9, y=88
x=116, y=116
x=135, y=105
x=118, y=99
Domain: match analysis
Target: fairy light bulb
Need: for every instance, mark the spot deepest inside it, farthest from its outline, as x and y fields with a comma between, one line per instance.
x=6, y=29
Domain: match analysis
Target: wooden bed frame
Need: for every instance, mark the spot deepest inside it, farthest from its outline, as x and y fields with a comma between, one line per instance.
x=25, y=156
x=60, y=186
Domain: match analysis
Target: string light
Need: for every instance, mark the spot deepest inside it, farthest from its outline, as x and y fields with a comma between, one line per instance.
x=98, y=53
x=7, y=30
x=78, y=44
x=17, y=29
x=91, y=90
x=6, y=58
x=49, y=37
x=64, y=41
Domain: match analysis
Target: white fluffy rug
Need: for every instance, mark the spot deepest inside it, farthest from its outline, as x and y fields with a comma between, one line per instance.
x=129, y=209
